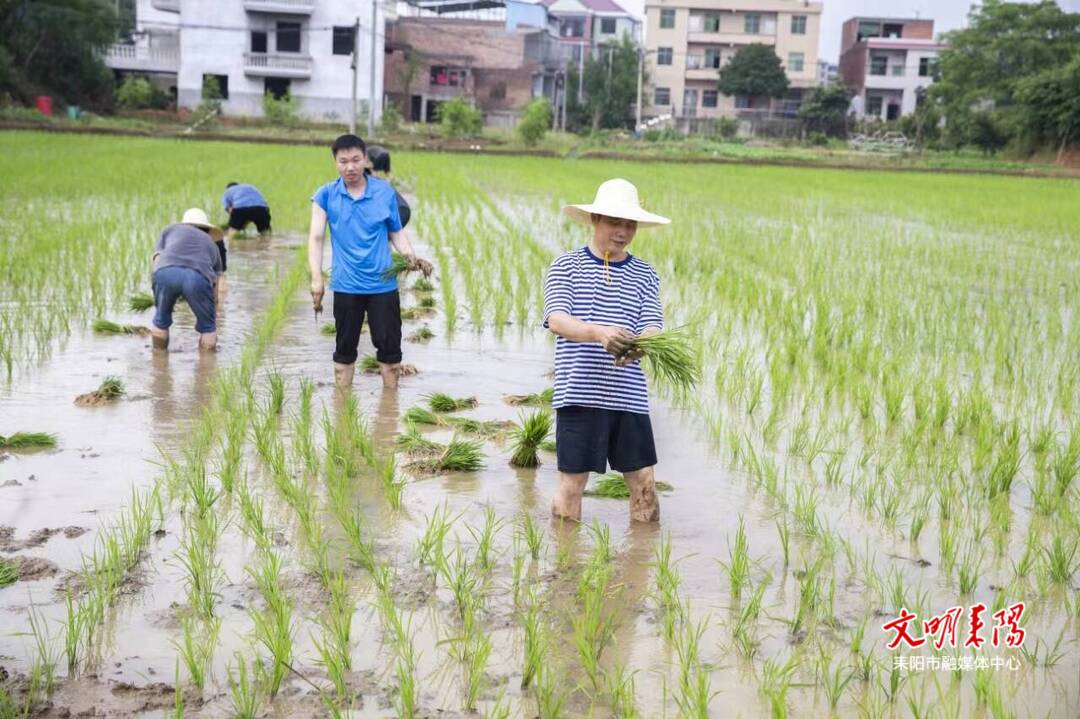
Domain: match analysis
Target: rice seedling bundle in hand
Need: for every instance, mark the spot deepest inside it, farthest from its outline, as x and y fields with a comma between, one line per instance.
x=528, y=438
x=111, y=328
x=536, y=399
x=398, y=264
x=28, y=440
x=613, y=486
x=140, y=301
x=440, y=402
x=670, y=356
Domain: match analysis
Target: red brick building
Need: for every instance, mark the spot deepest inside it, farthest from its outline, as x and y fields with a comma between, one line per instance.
x=431, y=60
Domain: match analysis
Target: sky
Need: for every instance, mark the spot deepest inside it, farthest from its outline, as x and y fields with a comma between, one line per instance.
x=947, y=15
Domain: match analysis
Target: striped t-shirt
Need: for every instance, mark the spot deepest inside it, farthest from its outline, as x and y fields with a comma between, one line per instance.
x=622, y=294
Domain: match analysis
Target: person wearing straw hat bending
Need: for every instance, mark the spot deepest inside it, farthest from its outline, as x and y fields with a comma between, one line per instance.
x=187, y=264
x=596, y=300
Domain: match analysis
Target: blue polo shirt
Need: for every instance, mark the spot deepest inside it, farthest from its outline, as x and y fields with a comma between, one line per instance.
x=242, y=195
x=360, y=235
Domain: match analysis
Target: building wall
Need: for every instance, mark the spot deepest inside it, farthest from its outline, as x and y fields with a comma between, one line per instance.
x=326, y=94
x=623, y=26
x=775, y=30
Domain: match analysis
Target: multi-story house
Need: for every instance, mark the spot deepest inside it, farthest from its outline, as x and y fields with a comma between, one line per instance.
x=690, y=40
x=254, y=47
x=592, y=22
x=888, y=64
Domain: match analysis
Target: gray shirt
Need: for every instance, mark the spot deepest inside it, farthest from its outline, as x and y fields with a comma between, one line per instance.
x=188, y=246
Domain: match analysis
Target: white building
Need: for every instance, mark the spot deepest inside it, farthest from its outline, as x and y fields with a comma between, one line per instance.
x=888, y=64
x=254, y=47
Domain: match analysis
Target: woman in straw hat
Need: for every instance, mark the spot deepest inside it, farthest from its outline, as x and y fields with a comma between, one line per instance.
x=596, y=299
x=187, y=264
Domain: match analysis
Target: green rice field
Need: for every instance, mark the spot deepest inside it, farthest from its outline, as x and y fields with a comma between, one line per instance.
x=887, y=423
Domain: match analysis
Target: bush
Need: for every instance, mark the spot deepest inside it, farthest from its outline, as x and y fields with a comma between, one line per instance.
x=665, y=134
x=283, y=111
x=535, y=121
x=460, y=119
x=210, y=107
x=818, y=139
x=391, y=118
x=727, y=127
x=138, y=93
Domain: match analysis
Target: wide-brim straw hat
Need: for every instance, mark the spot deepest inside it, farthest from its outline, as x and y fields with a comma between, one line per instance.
x=195, y=216
x=615, y=198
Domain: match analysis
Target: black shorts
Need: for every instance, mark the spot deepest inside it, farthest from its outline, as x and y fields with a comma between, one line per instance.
x=384, y=318
x=241, y=216
x=224, y=254
x=587, y=439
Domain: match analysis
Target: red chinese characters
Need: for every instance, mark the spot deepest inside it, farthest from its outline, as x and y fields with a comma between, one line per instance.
x=943, y=629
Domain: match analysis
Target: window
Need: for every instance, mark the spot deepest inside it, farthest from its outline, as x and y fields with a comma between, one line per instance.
x=288, y=37
x=498, y=91
x=344, y=40
x=873, y=105
x=795, y=61
x=752, y=23
x=258, y=41
x=662, y=96
x=878, y=64
x=276, y=86
x=667, y=19
x=572, y=27
x=709, y=98
x=711, y=23
x=868, y=29
x=448, y=76
x=898, y=70
x=712, y=57
x=798, y=24
x=742, y=102
x=222, y=85
x=927, y=66
x=663, y=56
x=892, y=30
x=607, y=26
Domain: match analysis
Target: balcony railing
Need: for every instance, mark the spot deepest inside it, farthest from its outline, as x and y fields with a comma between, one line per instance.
x=294, y=7
x=142, y=59
x=166, y=5
x=277, y=64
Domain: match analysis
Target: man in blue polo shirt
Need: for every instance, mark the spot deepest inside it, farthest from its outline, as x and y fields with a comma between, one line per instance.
x=362, y=213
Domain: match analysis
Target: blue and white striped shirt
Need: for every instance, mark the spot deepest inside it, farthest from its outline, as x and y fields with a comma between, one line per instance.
x=621, y=294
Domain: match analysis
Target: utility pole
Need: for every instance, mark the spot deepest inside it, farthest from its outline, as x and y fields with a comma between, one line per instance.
x=563, y=121
x=371, y=88
x=355, y=71
x=640, y=74
x=581, y=75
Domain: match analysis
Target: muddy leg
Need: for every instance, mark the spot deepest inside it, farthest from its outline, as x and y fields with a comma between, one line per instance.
x=159, y=338
x=343, y=375
x=390, y=374
x=567, y=500
x=208, y=340
x=644, y=504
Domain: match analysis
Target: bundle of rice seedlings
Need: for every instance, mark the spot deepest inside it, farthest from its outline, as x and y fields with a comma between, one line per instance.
x=329, y=329
x=427, y=303
x=478, y=427
x=107, y=327
x=459, y=455
x=413, y=442
x=440, y=402
x=28, y=440
x=421, y=415
x=140, y=301
x=398, y=264
x=111, y=387
x=369, y=364
x=423, y=285
x=613, y=486
x=670, y=357
x=411, y=313
x=536, y=400
x=528, y=436
x=9, y=572
x=421, y=335
x=548, y=445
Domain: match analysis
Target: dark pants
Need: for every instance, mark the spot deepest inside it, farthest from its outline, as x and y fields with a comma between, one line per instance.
x=173, y=282
x=587, y=439
x=383, y=313
x=241, y=216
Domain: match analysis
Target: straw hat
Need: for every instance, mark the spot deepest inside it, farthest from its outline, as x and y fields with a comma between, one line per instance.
x=615, y=198
x=195, y=216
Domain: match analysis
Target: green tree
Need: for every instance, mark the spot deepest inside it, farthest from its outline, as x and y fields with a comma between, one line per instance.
x=1051, y=102
x=610, y=85
x=985, y=64
x=535, y=121
x=53, y=46
x=826, y=110
x=754, y=71
x=460, y=119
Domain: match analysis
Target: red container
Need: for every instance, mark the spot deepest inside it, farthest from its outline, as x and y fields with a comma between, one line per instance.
x=44, y=104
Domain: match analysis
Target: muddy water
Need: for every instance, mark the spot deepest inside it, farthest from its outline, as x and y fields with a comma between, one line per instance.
x=106, y=450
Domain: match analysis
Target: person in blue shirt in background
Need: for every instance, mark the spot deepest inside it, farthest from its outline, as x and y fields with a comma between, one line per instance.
x=245, y=204
x=362, y=213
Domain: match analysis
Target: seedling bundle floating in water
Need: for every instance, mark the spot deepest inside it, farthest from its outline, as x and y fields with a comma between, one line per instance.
x=112, y=328
x=440, y=402
x=28, y=440
x=529, y=437
x=536, y=400
x=111, y=388
x=670, y=356
x=613, y=486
